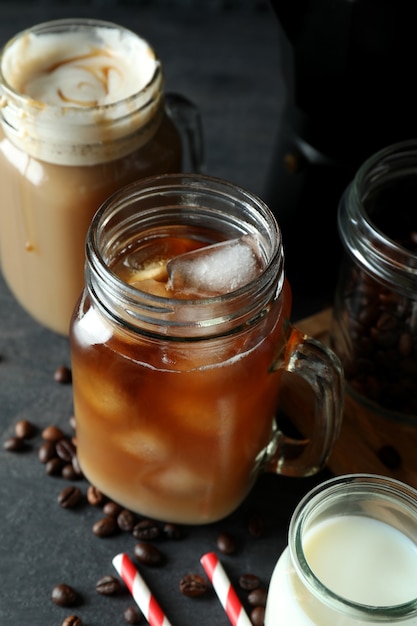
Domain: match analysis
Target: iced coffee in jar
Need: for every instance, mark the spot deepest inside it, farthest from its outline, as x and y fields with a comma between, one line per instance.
x=178, y=344
x=82, y=112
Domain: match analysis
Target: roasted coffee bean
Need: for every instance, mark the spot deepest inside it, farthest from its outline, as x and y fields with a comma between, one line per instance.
x=25, y=429
x=52, y=433
x=72, y=422
x=257, y=616
x=94, y=496
x=47, y=451
x=249, y=582
x=63, y=375
x=193, y=585
x=226, y=543
x=126, y=520
x=72, y=620
x=380, y=362
x=133, y=615
x=69, y=497
x=258, y=597
x=148, y=554
x=15, y=444
x=146, y=530
x=64, y=595
x=65, y=449
x=112, y=509
x=256, y=526
x=108, y=586
x=105, y=527
x=54, y=466
x=68, y=472
x=172, y=531
x=76, y=466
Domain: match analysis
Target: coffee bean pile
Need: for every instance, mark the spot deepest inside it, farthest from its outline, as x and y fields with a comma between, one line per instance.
x=57, y=452
x=376, y=339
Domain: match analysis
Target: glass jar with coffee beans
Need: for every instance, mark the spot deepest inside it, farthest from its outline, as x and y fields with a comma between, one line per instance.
x=374, y=326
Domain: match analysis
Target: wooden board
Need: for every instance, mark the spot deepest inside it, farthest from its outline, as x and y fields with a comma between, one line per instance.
x=368, y=442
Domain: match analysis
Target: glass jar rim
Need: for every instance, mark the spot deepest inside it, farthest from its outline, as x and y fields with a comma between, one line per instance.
x=390, y=262
x=206, y=316
x=357, y=484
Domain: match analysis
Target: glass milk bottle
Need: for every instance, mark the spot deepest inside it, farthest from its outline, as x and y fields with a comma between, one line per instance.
x=178, y=344
x=82, y=112
x=351, y=558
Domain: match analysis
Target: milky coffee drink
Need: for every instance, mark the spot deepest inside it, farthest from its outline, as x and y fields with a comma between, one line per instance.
x=82, y=114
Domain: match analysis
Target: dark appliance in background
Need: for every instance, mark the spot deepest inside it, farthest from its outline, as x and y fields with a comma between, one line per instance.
x=350, y=68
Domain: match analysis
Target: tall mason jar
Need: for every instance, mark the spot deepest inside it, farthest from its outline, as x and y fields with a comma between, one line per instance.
x=178, y=346
x=82, y=113
x=374, y=327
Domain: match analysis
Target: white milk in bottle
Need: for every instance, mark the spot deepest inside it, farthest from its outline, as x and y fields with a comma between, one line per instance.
x=351, y=560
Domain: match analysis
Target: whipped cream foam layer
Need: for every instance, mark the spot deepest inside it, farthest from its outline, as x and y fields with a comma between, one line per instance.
x=69, y=84
x=88, y=68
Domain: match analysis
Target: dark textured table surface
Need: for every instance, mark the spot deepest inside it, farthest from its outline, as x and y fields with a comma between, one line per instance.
x=228, y=62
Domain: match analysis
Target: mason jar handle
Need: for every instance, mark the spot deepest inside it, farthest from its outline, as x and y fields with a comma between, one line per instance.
x=318, y=366
x=186, y=116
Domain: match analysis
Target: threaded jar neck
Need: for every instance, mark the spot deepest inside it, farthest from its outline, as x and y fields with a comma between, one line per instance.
x=151, y=207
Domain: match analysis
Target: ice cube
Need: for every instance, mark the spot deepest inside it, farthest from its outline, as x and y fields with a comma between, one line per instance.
x=216, y=269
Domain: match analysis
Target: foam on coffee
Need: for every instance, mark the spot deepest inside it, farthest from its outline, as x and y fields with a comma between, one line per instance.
x=86, y=68
x=82, y=89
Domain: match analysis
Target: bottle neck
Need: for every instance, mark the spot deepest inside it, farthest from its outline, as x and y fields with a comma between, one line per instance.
x=151, y=208
x=89, y=106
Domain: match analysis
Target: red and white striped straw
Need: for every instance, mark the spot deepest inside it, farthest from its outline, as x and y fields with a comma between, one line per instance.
x=225, y=592
x=139, y=590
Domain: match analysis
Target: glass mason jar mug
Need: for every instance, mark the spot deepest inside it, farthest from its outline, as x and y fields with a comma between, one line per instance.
x=351, y=558
x=177, y=347
x=82, y=113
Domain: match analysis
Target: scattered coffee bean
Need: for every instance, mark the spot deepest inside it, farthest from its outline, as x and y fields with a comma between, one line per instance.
x=69, y=497
x=25, y=429
x=255, y=526
x=64, y=595
x=63, y=375
x=65, y=449
x=72, y=422
x=68, y=472
x=257, y=597
x=15, y=444
x=108, y=586
x=112, y=509
x=94, y=496
x=52, y=433
x=105, y=527
x=193, y=585
x=249, y=582
x=172, y=531
x=226, y=543
x=148, y=554
x=72, y=620
x=54, y=466
x=126, y=520
x=77, y=467
x=257, y=616
x=133, y=615
x=47, y=451
x=146, y=530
